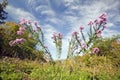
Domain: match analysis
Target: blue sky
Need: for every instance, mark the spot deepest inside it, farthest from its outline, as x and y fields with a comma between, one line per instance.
x=65, y=16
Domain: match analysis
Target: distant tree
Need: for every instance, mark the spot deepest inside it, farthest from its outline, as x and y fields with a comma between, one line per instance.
x=3, y=14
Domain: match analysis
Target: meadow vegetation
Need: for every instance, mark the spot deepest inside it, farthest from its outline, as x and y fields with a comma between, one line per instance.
x=21, y=59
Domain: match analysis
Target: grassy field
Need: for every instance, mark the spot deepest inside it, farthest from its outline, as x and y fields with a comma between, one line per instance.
x=87, y=67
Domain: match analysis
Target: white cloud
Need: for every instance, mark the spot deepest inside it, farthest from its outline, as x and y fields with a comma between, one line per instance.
x=44, y=10
x=110, y=33
x=110, y=24
x=18, y=13
x=74, y=15
x=49, y=30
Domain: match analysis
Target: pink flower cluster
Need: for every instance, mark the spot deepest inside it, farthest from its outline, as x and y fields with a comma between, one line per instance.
x=57, y=40
x=81, y=28
x=99, y=23
x=57, y=36
x=17, y=41
x=90, y=23
x=22, y=21
x=95, y=50
x=28, y=22
x=98, y=33
x=83, y=46
x=75, y=33
x=103, y=18
x=20, y=31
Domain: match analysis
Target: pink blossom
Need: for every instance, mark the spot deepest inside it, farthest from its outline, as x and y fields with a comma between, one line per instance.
x=54, y=36
x=104, y=20
x=90, y=23
x=103, y=16
x=28, y=21
x=21, y=28
x=11, y=43
x=60, y=35
x=36, y=23
x=83, y=46
x=75, y=33
x=22, y=21
x=95, y=50
x=17, y=41
x=19, y=32
x=38, y=28
x=98, y=33
x=81, y=28
x=96, y=21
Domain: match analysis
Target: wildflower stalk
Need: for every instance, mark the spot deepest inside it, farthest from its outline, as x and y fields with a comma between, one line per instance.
x=57, y=39
x=83, y=36
x=70, y=48
x=94, y=33
x=35, y=33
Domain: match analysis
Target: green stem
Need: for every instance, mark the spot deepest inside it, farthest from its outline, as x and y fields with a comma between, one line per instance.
x=83, y=36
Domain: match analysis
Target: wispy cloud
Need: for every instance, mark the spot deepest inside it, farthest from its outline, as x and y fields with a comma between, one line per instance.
x=18, y=13
x=68, y=15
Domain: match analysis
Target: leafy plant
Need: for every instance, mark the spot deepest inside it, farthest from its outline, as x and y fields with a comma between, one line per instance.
x=78, y=46
x=58, y=42
x=3, y=14
x=11, y=45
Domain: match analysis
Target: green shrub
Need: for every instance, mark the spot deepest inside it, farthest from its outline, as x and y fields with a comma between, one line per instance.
x=8, y=32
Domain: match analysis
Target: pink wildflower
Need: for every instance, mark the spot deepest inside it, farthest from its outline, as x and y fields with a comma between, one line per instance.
x=83, y=46
x=22, y=21
x=19, y=32
x=90, y=23
x=17, y=41
x=36, y=23
x=95, y=50
x=60, y=35
x=102, y=16
x=96, y=21
x=75, y=33
x=21, y=29
x=98, y=33
x=54, y=36
x=28, y=21
x=38, y=28
x=81, y=28
x=11, y=43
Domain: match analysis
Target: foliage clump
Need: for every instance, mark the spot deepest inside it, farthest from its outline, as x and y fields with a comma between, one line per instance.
x=25, y=50
x=3, y=13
